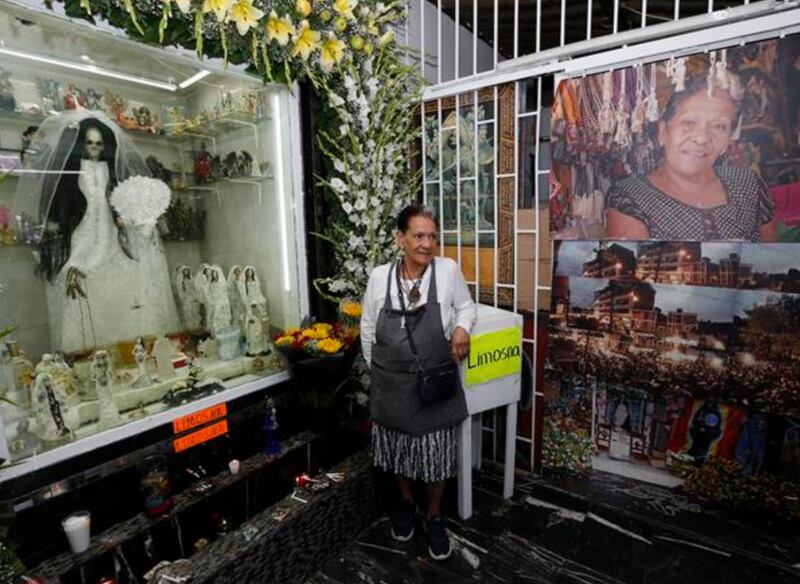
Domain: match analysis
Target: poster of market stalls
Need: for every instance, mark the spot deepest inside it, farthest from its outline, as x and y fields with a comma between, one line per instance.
x=670, y=360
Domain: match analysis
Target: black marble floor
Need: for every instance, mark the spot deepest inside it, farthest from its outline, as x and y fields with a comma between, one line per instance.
x=604, y=529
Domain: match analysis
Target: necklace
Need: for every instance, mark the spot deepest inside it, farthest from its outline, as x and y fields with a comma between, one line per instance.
x=412, y=292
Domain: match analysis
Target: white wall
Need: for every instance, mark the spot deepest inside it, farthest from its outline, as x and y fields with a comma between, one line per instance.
x=485, y=53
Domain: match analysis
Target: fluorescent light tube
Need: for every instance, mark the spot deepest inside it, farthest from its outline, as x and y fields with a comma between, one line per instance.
x=276, y=122
x=194, y=78
x=90, y=68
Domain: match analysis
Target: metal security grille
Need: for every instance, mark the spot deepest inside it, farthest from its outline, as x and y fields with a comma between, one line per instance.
x=485, y=144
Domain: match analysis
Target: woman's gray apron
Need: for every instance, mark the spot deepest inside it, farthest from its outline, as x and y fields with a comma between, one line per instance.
x=394, y=389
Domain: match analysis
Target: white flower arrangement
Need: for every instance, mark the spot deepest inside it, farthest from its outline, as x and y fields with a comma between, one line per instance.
x=370, y=177
x=141, y=200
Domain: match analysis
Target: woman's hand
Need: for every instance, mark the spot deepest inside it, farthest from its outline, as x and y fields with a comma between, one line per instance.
x=459, y=344
x=75, y=279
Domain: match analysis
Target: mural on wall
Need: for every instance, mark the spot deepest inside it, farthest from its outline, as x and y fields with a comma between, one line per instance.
x=705, y=147
x=674, y=351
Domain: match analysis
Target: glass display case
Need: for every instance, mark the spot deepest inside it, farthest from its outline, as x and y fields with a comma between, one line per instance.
x=148, y=245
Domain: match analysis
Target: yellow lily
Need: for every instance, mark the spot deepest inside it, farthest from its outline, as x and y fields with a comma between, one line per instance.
x=218, y=7
x=279, y=29
x=345, y=7
x=332, y=52
x=306, y=41
x=245, y=15
x=303, y=8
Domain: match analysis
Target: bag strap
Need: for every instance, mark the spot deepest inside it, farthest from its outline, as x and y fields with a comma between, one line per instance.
x=410, y=336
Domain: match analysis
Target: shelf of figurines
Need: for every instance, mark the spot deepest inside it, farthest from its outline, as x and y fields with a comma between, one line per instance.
x=95, y=402
x=181, y=131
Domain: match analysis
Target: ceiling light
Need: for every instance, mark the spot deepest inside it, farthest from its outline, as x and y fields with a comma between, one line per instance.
x=91, y=68
x=194, y=78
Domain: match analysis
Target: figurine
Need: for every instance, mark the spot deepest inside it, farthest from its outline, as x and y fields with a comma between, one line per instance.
x=50, y=92
x=230, y=167
x=163, y=351
x=272, y=445
x=143, y=379
x=219, y=307
x=64, y=378
x=102, y=291
x=7, y=101
x=6, y=232
x=74, y=98
x=8, y=383
x=46, y=365
x=93, y=100
x=202, y=165
x=202, y=281
x=254, y=332
x=187, y=294
x=250, y=290
x=49, y=411
x=238, y=310
x=103, y=379
x=27, y=141
x=25, y=443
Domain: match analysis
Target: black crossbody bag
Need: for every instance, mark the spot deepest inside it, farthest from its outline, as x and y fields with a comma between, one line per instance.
x=436, y=383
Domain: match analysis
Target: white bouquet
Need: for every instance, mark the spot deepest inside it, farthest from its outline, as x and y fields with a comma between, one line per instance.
x=141, y=200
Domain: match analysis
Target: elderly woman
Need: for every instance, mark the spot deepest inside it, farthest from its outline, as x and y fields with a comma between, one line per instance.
x=428, y=298
x=694, y=194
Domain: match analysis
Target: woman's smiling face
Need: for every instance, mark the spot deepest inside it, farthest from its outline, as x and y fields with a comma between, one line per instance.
x=698, y=133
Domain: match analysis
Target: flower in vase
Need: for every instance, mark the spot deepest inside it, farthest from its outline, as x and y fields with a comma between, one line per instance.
x=351, y=309
x=330, y=346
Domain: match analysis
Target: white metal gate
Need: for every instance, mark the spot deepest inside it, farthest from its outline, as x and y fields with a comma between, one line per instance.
x=486, y=118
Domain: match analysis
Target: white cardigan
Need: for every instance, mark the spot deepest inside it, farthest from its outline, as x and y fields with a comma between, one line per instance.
x=458, y=308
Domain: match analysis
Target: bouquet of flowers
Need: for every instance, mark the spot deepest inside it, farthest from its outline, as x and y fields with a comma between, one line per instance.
x=321, y=357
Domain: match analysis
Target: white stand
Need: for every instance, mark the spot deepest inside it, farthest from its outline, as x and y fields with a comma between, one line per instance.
x=504, y=391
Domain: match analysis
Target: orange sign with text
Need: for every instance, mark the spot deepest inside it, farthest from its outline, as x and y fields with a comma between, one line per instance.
x=199, y=418
x=200, y=436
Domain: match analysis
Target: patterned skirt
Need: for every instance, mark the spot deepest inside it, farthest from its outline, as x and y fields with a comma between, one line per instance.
x=429, y=457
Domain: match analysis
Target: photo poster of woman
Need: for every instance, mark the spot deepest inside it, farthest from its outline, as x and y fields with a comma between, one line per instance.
x=702, y=147
x=674, y=339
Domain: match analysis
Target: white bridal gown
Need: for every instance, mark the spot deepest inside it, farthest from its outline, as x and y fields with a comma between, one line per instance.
x=126, y=298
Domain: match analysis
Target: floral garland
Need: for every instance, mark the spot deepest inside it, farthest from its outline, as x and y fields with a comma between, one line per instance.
x=348, y=50
x=280, y=39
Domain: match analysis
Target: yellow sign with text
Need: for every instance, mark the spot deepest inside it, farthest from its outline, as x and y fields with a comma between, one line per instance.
x=494, y=355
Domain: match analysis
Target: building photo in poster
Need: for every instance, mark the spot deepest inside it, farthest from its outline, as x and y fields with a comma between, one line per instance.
x=671, y=358
x=697, y=148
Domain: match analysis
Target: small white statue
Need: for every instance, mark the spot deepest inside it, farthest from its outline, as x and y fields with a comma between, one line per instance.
x=238, y=306
x=103, y=380
x=46, y=365
x=254, y=332
x=143, y=379
x=218, y=304
x=250, y=291
x=50, y=412
x=163, y=351
x=202, y=279
x=8, y=382
x=189, y=305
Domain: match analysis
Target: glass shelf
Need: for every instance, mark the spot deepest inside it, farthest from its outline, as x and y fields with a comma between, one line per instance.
x=211, y=129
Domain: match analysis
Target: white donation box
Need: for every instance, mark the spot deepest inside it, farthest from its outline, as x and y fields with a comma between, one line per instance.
x=492, y=377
